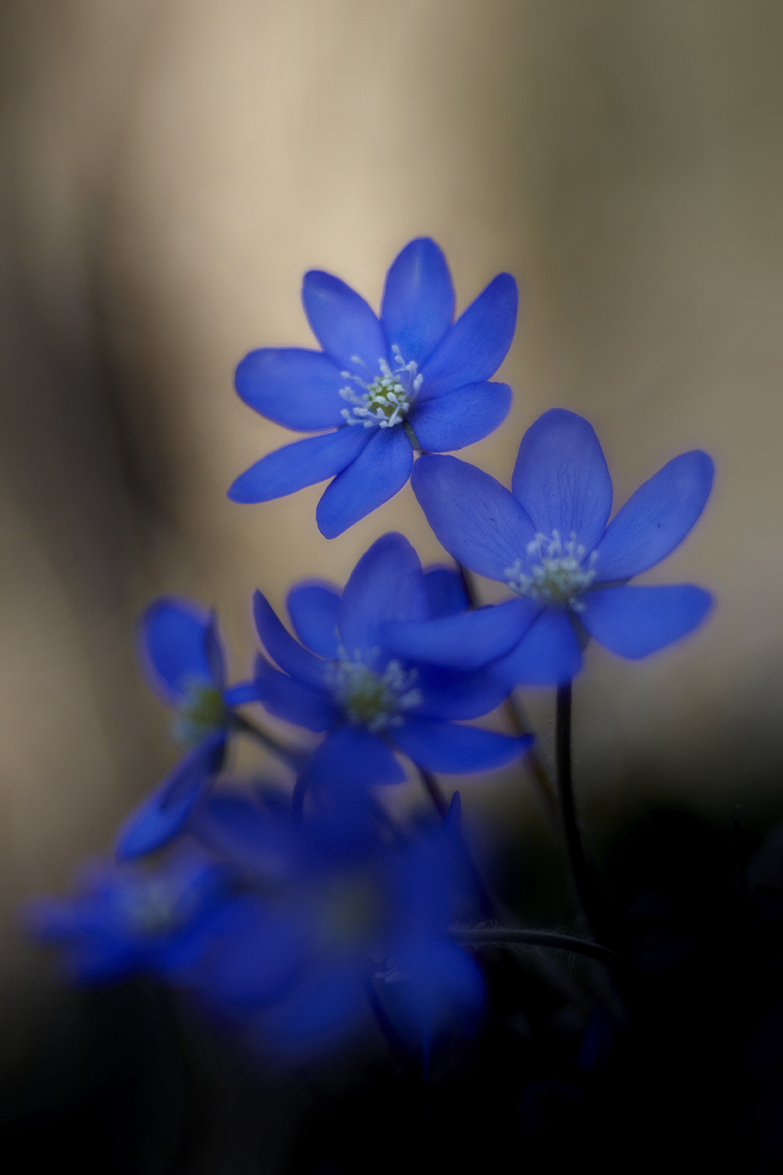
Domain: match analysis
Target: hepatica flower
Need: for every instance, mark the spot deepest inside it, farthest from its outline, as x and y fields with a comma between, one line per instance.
x=183, y=661
x=345, y=679
x=548, y=540
x=377, y=384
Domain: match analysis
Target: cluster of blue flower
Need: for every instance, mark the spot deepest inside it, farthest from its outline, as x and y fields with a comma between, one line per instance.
x=299, y=916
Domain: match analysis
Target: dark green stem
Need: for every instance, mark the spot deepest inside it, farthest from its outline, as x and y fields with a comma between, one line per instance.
x=290, y=755
x=538, y=938
x=414, y=440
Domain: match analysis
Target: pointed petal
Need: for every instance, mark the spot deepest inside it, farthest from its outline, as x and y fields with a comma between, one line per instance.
x=445, y=592
x=418, y=301
x=386, y=584
x=296, y=388
x=635, y=621
x=475, y=518
x=561, y=478
x=461, y=417
x=548, y=653
x=455, y=694
x=303, y=463
x=444, y=746
x=314, y=610
x=292, y=657
x=173, y=646
x=656, y=518
x=351, y=755
x=343, y=323
x=159, y=818
x=468, y=640
x=294, y=700
x=379, y=471
x=478, y=342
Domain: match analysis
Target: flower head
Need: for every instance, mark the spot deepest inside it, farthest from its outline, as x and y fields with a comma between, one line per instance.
x=351, y=683
x=379, y=384
x=548, y=540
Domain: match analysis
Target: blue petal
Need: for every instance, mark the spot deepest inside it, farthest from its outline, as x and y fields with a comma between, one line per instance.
x=442, y=985
x=548, y=653
x=418, y=301
x=173, y=646
x=327, y=1005
x=295, y=660
x=344, y=324
x=656, y=518
x=314, y=610
x=561, y=478
x=475, y=518
x=296, y=388
x=301, y=464
x=466, y=641
x=163, y=815
x=478, y=342
x=386, y=584
x=445, y=592
x=456, y=694
x=635, y=621
x=256, y=954
x=240, y=694
x=351, y=755
x=379, y=471
x=294, y=700
x=460, y=418
x=443, y=746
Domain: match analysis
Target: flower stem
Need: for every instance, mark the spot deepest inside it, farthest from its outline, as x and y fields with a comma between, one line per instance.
x=583, y=874
x=411, y=435
x=540, y=938
x=290, y=755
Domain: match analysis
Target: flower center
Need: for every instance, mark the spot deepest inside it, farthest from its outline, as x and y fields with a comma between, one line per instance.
x=373, y=699
x=387, y=400
x=555, y=571
x=151, y=906
x=204, y=711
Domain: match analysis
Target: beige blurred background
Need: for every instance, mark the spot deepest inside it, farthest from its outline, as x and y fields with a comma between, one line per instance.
x=170, y=168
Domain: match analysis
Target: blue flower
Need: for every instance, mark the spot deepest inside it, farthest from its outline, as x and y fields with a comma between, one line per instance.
x=374, y=381
x=130, y=918
x=353, y=685
x=549, y=542
x=183, y=661
x=326, y=920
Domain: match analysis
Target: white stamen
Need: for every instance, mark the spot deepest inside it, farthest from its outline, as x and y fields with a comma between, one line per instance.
x=558, y=572
x=387, y=400
x=371, y=699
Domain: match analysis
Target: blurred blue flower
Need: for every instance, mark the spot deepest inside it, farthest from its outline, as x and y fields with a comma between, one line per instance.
x=181, y=654
x=331, y=925
x=376, y=379
x=131, y=918
x=549, y=542
x=353, y=685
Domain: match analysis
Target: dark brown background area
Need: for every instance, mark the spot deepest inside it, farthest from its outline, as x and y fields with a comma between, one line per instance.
x=170, y=168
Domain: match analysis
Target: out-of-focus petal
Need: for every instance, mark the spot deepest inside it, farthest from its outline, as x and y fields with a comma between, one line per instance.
x=292, y=657
x=548, y=653
x=303, y=463
x=656, y=518
x=296, y=702
x=467, y=640
x=240, y=694
x=445, y=592
x=159, y=818
x=418, y=301
x=314, y=610
x=296, y=388
x=255, y=955
x=319, y=1012
x=454, y=694
x=561, y=478
x=478, y=342
x=475, y=518
x=443, y=746
x=379, y=471
x=635, y=621
x=386, y=584
x=172, y=642
x=344, y=324
x=461, y=417
x=351, y=754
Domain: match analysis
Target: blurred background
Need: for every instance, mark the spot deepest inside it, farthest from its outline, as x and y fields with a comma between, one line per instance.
x=170, y=168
